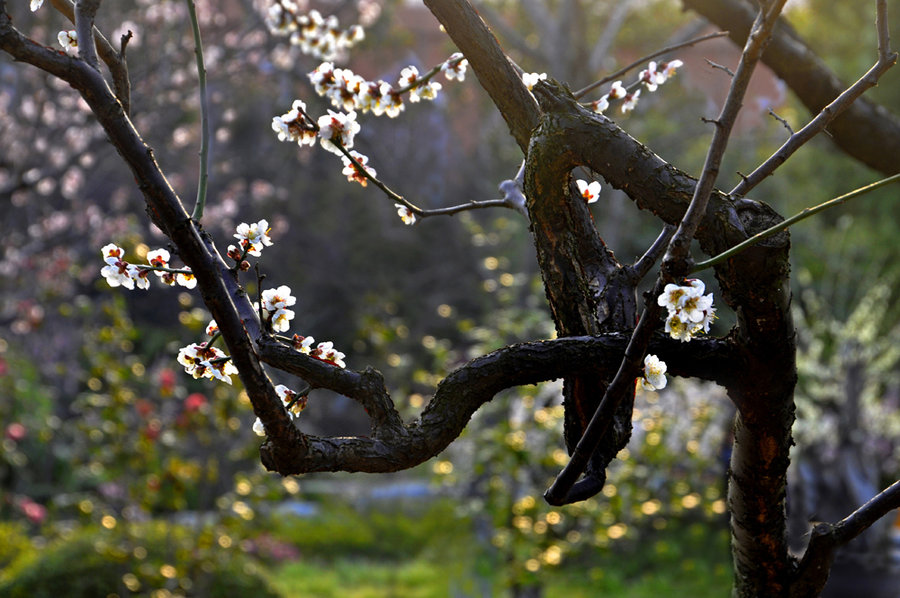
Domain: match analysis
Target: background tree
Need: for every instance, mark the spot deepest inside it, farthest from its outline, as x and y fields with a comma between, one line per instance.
x=591, y=296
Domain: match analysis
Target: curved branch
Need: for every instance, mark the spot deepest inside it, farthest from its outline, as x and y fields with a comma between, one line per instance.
x=812, y=572
x=393, y=446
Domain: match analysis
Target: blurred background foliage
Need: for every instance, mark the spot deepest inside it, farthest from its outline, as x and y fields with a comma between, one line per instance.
x=122, y=471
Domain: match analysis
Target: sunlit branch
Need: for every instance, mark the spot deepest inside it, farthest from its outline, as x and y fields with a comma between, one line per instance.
x=613, y=76
x=197, y=214
x=803, y=215
x=886, y=59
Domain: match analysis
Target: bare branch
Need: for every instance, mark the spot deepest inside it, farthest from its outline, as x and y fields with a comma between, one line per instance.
x=393, y=446
x=653, y=253
x=886, y=59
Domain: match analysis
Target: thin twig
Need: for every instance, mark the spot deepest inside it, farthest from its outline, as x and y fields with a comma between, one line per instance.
x=803, y=215
x=721, y=67
x=611, y=77
x=421, y=212
x=783, y=122
x=886, y=59
x=653, y=253
x=203, y=178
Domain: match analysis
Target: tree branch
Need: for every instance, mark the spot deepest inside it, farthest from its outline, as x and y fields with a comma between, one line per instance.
x=864, y=131
x=886, y=59
x=492, y=67
x=393, y=446
x=825, y=538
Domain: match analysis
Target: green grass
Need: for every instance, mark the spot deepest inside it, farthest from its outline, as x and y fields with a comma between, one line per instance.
x=361, y=579
x=420, y=578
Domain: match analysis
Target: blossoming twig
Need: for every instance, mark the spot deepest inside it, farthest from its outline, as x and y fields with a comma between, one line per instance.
x=613, y=76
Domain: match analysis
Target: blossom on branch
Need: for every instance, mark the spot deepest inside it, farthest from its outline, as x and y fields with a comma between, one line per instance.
x=68, y=40
x=203, y=361
x=315, y=35
x=323, y=351
x=253, y=237
x=36, y=4
x=455, y=67
x=589, y=191
x=352, y=171
x=294, y=125
x=289, y=396
x=336, y=127
x=275, y=303
x=406, y=215
x=531, y=79
x=117, y=271
x=654, y=377
x=690, y=312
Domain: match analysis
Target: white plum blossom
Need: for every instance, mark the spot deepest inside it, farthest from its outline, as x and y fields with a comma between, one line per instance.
x=654, y=377
x=258, y=428
x=68, y=40
x=323, y=351
x=689, y=310
x=589, y=191
x=36, y=4
x=531, y=79
x=631, y=100
x=667, y=69
x=186, y=279
x=600, y=106
x=288, y=396
x=294, y=126
x=455, y=67
x=198, y=359
x=253, y=237
x=617, y=92
x=212, y=328
x=275, y=304
x=351, y=171
x=650, y=77
x=320, y=37
x=117, y=271
x=337, y=127
x=406, y=215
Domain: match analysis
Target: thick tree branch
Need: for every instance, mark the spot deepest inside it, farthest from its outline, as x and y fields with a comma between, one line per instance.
x=865, y=131
x=492, y=67
x=393, y=446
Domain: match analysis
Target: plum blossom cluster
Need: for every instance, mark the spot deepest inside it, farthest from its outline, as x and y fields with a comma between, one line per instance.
x=654, y=377
x=120, y=272
x=690, y=312
x=293, y=401
x=651, y=77
x=323, y=351
x=315, y=35
x=275, y=304
x=349, y=91
x=202, y=360
x=252, y=239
